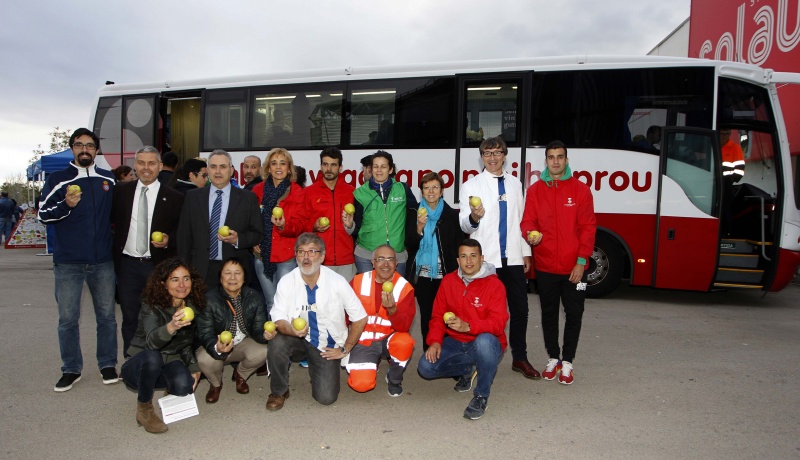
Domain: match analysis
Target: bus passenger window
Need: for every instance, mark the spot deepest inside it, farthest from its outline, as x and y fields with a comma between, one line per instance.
x=297, y=116
x=491, y=111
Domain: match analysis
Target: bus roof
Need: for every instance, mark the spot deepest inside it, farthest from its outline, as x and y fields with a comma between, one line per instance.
x=553, y=63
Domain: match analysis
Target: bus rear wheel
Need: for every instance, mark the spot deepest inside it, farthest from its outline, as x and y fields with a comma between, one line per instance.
x=605, y=267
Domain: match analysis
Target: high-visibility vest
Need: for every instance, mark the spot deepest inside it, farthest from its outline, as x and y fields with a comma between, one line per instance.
x=379, y=326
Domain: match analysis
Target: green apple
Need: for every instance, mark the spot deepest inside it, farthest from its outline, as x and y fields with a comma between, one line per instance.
x=448, y=315
x=422, y=212
x=298, y=324
x=188, y=314
x=74, y=189
x=324, y=221
x=226, y=337
x=224, y=231
x=157, y=237
x=277, y=211
x=349, y=208
x=270, y=326
x=475, y=201
x=387, y=286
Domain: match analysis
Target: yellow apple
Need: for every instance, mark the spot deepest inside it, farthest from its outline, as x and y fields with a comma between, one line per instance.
x=277, y=211
x=324, y=221
x=350, y=209
x=188, y=314
x=422, y=212
x=387, y=286
x=533, y=234
x=298, y=324
x=226, y=337
x=475, y=201
x=270, y=326
x=74, y=189
x=224, y=231
x=157, y=237
x=448, y=315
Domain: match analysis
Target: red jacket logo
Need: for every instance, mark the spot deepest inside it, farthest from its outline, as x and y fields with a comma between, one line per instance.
x=569, y=203
x=477, y=302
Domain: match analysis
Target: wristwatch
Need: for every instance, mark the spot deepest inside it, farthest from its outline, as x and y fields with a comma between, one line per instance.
x=345, y=350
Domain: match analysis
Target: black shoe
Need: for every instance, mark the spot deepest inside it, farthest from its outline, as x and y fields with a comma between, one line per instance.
x=66, y=381
x=464, y=383
x=109, y=375
x=476, y=408
x=395, y=390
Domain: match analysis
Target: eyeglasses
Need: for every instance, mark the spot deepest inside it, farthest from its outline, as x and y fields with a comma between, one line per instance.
x=431, y=188
x=492, y=153
x=309, y=252
x=205, y=175
x=80, y=145
x=382, y=260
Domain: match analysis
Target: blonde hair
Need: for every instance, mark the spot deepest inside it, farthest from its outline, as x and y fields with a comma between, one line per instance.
x=292, y=175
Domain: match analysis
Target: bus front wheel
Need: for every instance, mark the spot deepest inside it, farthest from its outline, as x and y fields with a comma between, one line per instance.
x=605, y=267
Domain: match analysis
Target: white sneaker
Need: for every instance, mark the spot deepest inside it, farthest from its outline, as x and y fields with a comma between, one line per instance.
x=566, y=377
x=551, y=370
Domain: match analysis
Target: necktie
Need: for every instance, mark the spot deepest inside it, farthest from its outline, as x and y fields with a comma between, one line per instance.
x=142, y=233
x=216, y=211
x=503, y=226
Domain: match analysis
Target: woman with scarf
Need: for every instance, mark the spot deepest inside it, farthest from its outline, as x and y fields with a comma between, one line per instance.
x=162, y=351
x=275, y=254
x=235, y=308
x=381, y=206
x=436, y=239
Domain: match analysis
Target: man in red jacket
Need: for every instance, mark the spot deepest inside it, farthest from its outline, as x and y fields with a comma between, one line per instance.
x=467, y=335
x=559, y=223
x=388, y=299
x=328, y=199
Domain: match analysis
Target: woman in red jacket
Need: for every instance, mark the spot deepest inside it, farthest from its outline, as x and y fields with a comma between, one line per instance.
x=275, y=254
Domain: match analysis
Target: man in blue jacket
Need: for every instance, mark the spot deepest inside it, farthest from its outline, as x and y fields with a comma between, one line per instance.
x=77, y=201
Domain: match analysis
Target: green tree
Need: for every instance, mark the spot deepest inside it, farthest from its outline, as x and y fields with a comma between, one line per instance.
x=59, y=141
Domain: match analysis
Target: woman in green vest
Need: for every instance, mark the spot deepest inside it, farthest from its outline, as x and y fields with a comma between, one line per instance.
x=381, y=207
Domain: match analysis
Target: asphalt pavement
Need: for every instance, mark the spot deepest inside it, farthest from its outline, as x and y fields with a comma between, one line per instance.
x=658, y=374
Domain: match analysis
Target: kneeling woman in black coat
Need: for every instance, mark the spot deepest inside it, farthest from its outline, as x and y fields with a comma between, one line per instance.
x=162, y=353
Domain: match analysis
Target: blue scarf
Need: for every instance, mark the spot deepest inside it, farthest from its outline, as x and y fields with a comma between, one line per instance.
x=428, y=253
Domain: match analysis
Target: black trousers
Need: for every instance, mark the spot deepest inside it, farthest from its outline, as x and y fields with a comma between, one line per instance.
x=132, y=277
x=425, y=290
x=553, y=291
x=513, y=278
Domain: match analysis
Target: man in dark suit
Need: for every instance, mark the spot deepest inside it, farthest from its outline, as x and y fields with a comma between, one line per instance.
x=139, y=210
x=207, y=210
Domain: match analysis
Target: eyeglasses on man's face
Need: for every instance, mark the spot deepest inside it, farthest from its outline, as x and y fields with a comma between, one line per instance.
x=382, y=260
x=307, y=252
x=80, y=146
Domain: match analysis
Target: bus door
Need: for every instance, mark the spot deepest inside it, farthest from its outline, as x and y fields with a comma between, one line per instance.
x=688, y=211
x=179, y=123
x=489, y=106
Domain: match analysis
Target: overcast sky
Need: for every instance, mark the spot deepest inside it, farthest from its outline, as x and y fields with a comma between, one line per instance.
x=57, y=54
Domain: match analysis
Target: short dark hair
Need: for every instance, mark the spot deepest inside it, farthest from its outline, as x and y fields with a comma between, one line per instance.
x=429, y=177
x=84, y=132
x=382, y=154
x=493, y=143
x=471, y=243
x=366, y=161
x=4, y=193
x=169, y=159
x=230, y=260
x=331, y=152
x=553, y=145
x=300, y=176
x=192, y=165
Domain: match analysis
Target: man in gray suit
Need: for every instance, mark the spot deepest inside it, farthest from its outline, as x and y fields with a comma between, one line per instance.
x=207, y=210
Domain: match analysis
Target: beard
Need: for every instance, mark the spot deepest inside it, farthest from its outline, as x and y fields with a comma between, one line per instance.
x=85, y=160
x=308, y=271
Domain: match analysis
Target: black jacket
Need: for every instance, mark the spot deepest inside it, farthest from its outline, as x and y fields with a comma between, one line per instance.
x=448, y=237
x=218, y=317
x=152, y=334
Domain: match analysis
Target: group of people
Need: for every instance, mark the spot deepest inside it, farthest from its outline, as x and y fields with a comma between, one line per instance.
x=273, y=273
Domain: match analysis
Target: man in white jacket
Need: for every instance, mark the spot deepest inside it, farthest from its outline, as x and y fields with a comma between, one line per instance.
x=494, y=221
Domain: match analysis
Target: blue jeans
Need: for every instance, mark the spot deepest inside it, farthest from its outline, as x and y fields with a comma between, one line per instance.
x=69, y=284
x=5, y=227
x=146, y=371
x=365, y=265
x=268, y=286
x=482, y=354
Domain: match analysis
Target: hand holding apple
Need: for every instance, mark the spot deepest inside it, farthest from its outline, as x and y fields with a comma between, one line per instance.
x=224, y=231
x=349, y=208
x=73, y=195
x=534, y=237
x=448, y=316
x=387, y=286
x=157, y=237
x=476, y=208
x=322, y=224
x=225, y=337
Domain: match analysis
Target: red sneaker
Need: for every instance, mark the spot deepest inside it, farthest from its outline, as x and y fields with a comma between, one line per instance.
x=567, y=376
x=552, y=368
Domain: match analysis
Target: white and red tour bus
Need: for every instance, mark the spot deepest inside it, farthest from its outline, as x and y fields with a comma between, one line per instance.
x=642, y=132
